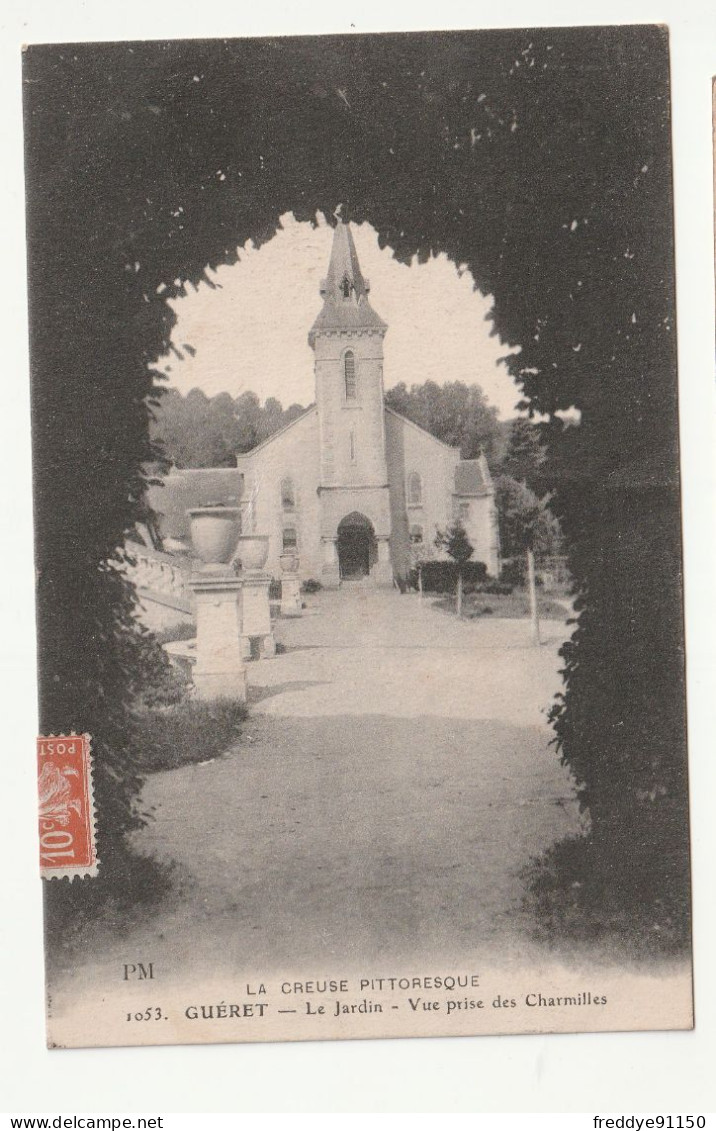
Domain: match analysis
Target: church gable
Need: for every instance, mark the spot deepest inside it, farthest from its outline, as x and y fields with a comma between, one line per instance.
x=419, y=428
x=421, y=472
x=280, y=493
x=431, y=487
x=277, y=437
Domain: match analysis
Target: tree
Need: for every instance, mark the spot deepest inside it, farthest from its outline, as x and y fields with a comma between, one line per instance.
x=458, y=546
x=198, y=431
x=525, y=453
x=458, y=414
x=525, y=521
x=248, y=416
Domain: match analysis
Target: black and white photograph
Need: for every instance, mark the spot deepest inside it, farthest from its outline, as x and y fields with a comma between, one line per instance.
x=358, y=536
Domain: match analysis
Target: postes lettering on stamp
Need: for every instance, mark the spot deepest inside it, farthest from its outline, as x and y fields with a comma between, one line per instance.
x=66, y=806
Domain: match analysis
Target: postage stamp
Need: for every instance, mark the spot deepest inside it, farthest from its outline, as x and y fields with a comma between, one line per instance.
x=66, y=806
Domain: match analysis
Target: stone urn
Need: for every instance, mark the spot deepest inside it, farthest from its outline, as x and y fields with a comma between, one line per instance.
x=214, y=530
x=289, y=562
x=252, y=550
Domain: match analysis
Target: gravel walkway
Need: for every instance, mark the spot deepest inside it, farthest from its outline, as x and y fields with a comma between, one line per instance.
x=394, y=777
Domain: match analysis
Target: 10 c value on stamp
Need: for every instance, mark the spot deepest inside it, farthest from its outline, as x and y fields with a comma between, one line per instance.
x=66, y=806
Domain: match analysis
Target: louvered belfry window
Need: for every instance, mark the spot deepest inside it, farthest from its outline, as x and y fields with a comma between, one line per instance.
x=349, y=370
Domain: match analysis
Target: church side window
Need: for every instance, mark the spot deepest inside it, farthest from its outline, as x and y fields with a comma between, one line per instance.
x=415, y=489
x=290, y=538
x=353, y=446
x=416, y=535
x=349, y=373
x=288, y=495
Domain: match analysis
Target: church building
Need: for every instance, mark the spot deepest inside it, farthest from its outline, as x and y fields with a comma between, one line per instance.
x=350, y=486
x=355, y=489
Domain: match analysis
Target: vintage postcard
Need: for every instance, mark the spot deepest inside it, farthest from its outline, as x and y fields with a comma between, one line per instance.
x=358, y=539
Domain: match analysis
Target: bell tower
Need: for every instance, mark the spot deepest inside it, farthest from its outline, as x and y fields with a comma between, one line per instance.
x=347, y=339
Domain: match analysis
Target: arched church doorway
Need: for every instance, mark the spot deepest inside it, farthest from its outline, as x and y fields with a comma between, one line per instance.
x=357, y=548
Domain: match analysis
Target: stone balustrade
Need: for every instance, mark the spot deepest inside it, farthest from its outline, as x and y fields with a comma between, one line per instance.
x=161, y=583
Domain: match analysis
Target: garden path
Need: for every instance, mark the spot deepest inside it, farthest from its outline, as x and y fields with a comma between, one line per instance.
x=394, y=777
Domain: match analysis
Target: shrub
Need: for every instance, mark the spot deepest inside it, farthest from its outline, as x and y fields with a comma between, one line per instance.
x=165, y=683
x=441, y=577
x=513, y=571
x=185, y=630
x=577, y=891
x=311, y=586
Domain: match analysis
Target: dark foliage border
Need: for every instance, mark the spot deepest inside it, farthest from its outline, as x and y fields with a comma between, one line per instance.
x=541, y=159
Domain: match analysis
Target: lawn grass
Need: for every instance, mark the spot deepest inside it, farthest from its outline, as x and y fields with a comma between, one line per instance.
x=187, y=732
x=513, y=606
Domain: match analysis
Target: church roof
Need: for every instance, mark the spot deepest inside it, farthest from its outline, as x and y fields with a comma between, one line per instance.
x=248, y=456
x=472, y=477
x=345, y=291
x=419, y=428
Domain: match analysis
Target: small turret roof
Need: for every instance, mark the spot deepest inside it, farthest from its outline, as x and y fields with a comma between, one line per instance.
x=472, y=477
x=345, y=291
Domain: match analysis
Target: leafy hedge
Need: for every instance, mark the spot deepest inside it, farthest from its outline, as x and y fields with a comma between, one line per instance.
x=441, y=577
x=187, y=733
x=550, y=181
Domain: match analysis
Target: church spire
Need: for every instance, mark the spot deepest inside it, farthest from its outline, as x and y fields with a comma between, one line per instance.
x=344, y=268
x=345, y=291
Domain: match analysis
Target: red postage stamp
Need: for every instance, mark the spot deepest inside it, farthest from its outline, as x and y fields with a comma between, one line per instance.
x=66, y=813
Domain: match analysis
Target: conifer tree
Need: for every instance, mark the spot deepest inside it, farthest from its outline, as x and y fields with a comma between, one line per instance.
x=458, y=546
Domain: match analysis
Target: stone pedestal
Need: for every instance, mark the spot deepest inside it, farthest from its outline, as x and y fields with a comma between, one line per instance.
x=219, y=671
x=256, y=613
x=291, y=605
x=330, y=573
x=382, y=571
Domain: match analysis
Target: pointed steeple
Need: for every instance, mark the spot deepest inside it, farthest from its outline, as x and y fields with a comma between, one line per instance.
x=345, y=291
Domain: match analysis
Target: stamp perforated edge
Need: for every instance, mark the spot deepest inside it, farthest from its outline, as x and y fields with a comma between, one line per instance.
x=73, y=871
